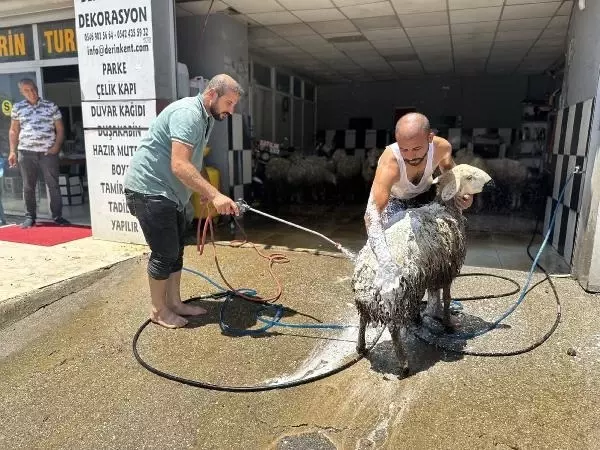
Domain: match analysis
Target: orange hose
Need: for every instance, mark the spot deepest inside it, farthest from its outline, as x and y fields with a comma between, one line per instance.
x=273, y=258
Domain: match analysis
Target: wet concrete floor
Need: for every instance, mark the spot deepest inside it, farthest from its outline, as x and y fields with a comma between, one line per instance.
x=68, y=378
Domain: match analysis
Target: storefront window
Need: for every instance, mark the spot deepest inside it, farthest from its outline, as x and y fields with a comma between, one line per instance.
x=53, y=66
x=12, y=183
x=297, y=87
x=309, y=92
x=263, y=114
x=283, y=82
x=261, y=74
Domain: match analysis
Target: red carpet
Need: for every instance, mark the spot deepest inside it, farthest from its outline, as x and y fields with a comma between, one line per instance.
x=45, y=234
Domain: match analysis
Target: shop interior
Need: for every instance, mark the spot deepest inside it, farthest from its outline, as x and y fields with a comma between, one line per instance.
x=329, y=82
x=60, y=84
x=326, y=86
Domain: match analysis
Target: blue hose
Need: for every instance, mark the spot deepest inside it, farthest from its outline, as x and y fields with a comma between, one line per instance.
x=497, y=322
x=268, y=323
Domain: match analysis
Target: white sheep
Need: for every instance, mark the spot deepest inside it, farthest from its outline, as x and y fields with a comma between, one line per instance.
x=276, y=172
x=428, y=244
x=369, y=166
x=348, y=173
x=319, y=177
x=512, y=176
x=509, y=175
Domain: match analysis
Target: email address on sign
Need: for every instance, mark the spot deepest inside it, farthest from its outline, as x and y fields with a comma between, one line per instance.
x=101, y=50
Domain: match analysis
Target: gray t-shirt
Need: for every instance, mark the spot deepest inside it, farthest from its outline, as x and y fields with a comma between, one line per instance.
x=149, y=172
x=38, y=132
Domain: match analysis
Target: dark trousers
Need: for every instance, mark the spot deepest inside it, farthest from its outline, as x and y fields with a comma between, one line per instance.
x=30, y=164
x=163, y=226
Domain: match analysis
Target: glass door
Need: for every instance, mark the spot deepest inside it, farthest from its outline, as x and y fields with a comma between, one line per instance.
x=11, y=184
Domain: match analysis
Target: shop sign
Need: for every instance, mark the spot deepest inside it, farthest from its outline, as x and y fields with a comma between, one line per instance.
x=116, y=58
x=57, y=39
x=116, y=72
x=16, y=44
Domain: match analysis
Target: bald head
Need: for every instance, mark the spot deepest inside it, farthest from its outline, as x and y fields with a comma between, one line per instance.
x=413, y=135
x=412, y=125
x=223, y=84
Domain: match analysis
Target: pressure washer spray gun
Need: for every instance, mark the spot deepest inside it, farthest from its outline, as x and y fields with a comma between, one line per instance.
x=244, y=207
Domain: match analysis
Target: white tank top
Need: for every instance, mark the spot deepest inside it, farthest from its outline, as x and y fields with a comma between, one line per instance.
x=403, y=188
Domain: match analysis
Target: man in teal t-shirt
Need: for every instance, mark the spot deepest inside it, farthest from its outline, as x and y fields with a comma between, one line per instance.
x=162, y=175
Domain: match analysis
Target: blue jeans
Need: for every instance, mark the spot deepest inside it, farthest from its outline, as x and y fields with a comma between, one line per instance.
x=163, y=226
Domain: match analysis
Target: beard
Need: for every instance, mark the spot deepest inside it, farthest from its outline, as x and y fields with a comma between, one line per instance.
x=218, y=115
x=415, y=162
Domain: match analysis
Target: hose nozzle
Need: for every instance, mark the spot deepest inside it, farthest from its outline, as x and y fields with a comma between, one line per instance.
x=242, y=205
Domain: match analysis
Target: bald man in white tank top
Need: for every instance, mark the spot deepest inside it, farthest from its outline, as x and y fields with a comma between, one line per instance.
x=404, y=180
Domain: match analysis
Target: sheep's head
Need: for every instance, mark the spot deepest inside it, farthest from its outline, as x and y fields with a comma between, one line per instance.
x=460, y=180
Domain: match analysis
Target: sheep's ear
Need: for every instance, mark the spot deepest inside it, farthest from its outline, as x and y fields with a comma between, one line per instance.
x=451, y=188
x=436, y=180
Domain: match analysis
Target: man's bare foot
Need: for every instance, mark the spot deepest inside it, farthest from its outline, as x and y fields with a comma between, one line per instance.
x=168, y=319
x=183, y=309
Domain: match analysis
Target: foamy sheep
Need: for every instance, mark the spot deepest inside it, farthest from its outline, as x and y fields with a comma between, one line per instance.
x=428, y=244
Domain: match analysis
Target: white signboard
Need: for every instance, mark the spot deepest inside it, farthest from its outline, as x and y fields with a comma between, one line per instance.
x=116, y=66
x=136, y=114
x=116, y=58
x=108, y=160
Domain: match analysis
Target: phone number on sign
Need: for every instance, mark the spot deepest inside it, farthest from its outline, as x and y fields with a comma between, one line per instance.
x=119, y=34
x=133, y=33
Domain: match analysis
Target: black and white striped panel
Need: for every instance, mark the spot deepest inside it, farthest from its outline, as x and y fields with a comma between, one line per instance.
x=238, y=135
x=240, y=160
x=351, y=139
x=571, y=138
x=458, y=136
x=565, y=226
x=240, y=172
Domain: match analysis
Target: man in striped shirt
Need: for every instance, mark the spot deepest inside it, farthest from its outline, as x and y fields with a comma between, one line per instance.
x=37, y=133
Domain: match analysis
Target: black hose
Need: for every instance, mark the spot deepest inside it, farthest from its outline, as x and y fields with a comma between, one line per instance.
x=257, y=388
x=260, y=388
x=294, y=383
x=529, y=348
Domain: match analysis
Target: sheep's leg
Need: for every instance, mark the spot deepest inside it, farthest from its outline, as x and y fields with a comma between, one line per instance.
x=398, y=333
x=447, y=319
x=361, y=348
x=434, y=306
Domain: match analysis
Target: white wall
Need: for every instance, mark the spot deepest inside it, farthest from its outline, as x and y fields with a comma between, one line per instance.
x=581, y=83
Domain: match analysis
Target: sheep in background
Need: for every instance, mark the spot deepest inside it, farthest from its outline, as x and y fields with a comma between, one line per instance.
x=297, y=175
x=369, y=167
x=428, y=244
x=348, y=172
x=276, y=185
x=510, y=176
x=320, y=178
x=466, y=156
